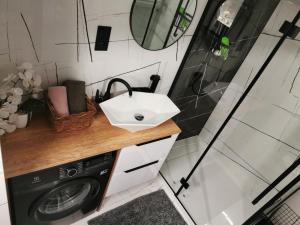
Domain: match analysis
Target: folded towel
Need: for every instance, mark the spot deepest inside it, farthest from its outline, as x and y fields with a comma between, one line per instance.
x=76, y=96
x=58, y=98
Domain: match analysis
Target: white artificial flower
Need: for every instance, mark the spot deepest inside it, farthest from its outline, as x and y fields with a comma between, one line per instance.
x=31, y=82
x=2, y=131
x=25, y=66
x=10, y=108
x=17, y=91
x=37, y=80
x=3, y=94
x=4, y=113
x=10, y=77
x=10, y=98
x=26, y=83
x=14, y=99
x=10, y=128
x=12, y=118
x=28, y=74
x=3, y=123
x=21, y=76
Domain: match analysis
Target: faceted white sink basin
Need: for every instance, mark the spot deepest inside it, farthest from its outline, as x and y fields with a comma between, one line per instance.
x=140, y=111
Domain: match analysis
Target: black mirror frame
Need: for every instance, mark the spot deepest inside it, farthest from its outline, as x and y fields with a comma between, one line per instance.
x=131, y=30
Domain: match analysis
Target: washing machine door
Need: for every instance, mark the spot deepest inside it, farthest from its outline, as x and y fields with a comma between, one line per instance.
x=65, y=199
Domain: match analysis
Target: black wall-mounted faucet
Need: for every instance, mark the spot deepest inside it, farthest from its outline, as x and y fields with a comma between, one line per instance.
x=154, y=82
x=107, y=93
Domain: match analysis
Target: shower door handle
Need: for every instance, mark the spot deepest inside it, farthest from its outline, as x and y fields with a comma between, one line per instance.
x=277, y=181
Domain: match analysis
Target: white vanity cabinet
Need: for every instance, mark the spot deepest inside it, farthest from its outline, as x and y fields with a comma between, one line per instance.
x=4, y=209
x=139, y=163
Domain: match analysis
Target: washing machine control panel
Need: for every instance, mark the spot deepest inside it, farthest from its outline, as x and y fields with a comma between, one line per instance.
x=69, y=171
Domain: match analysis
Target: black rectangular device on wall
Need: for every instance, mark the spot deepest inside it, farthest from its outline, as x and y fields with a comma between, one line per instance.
x=102, y=38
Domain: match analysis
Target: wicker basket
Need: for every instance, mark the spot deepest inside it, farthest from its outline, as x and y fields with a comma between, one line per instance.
x=72, y=122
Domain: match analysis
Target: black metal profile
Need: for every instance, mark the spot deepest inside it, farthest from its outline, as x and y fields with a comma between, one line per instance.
x=172, y=24
x=277, y=181
x=240, y=101
x=180, y=19
x=273, y=200
x=149, y=22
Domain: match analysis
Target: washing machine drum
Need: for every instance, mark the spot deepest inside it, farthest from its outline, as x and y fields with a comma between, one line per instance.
x=65, y=199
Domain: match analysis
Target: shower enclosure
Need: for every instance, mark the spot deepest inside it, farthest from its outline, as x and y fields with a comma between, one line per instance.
x=256, y=155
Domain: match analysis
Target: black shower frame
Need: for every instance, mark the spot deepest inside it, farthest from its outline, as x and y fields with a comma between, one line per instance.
x=287, y=32
x=184, y=181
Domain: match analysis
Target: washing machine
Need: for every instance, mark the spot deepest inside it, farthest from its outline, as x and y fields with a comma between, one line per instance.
x=60, y=195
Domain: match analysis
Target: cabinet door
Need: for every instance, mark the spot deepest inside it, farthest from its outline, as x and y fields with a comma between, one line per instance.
x=4, y=215
x=3, y=195
x=124, y=180
x=137, y=155
x=139, y=163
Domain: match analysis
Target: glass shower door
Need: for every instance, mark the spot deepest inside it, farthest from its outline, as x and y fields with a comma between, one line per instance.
x=260, y=141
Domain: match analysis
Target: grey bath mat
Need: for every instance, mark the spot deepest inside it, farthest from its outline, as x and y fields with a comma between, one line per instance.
x=152, y=209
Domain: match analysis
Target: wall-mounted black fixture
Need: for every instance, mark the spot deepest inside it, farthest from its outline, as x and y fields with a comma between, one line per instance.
x=154, y=82
x=151, y=89
x=102, y=38
x=292, y=32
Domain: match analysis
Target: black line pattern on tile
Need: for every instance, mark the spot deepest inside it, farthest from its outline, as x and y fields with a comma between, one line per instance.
x=4, y=53
x=264, y=133
x=56, y=74
x=193, y=117
x=278, y=36
x=7, y=34
x=246, y=84
x=86, y=29
x=128, y=45
x=158, y=69
x=199, y=97
x=293, y=82
x=121, y=74
x=286, y=110
x=176, y=51
x=286, y=75
x=244, y=168
x=8, y=42
x=47, y=76
x=280, y=107
x=114, y=14
x=265, y=180
x=82, y=43
x=243, y=39
x=32, y=43
x=258, y=175
x=77, y=29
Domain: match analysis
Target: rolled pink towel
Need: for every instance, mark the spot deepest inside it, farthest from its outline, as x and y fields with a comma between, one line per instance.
x=58, y=98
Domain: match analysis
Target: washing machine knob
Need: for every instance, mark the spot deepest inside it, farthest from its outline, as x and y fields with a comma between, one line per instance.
x=72, y=172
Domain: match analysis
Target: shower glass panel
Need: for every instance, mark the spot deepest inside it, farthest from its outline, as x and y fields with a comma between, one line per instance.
x=216, y=54
x=260, y=141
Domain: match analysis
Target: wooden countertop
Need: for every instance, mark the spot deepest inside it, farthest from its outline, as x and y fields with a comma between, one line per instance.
x=39, y=147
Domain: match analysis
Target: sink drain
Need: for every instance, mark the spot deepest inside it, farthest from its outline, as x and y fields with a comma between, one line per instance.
x=138, y=117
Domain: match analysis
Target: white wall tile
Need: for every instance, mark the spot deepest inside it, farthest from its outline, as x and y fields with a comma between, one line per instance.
x=53, y=26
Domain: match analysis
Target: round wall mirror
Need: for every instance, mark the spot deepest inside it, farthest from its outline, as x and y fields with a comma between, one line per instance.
x=157, y=24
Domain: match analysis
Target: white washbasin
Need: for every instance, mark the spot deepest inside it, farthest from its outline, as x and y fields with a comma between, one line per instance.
x=140, y=111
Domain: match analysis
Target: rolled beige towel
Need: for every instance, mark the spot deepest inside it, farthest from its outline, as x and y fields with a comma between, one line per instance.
x=59, y=100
